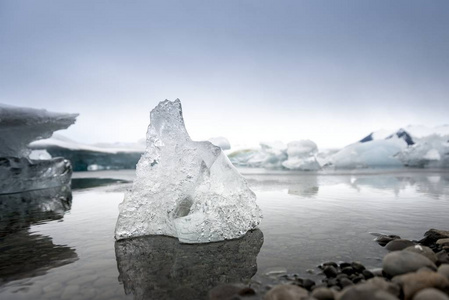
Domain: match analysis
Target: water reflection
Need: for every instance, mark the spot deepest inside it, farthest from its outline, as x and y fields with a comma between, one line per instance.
x=158, y=267
x=20, y=210
x=22, y=253
x=307, y=187
x=433, y=183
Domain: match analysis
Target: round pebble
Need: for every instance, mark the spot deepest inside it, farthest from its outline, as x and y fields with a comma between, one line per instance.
x=330, y=271
x=423, y=250
x=414, y=282
x=286, y=292
x=430, y=294
x=323, y=293
x=366, y=292
x=399, y=244
x=444, y=270
x=401, y=262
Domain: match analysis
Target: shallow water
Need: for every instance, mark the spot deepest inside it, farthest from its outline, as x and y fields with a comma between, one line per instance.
x=69, y=252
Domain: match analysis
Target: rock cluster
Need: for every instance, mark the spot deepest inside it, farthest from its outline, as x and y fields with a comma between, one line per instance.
x=412, y=270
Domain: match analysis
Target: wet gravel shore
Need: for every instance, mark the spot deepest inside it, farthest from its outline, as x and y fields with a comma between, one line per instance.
x=412, y=270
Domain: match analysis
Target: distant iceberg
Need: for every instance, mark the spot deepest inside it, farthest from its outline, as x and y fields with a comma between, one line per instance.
x=86, y=157
x=375, y=153
x=302, y=156
x=411, y=146
x=430, y=151
x=269, y=155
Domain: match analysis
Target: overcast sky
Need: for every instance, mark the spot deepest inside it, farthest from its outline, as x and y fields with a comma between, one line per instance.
x=249, y=70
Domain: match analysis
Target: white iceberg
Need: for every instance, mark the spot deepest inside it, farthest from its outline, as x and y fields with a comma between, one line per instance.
x=429, y=151
x=241, y=156
x=374, y=153
x=271, y=155
x=425, y=147
x=301, y=156
x=185, y=189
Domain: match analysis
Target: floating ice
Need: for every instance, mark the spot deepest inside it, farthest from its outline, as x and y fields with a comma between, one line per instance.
x=18, y=127
x=301, y=156
x=241, y=157
x=185, y=189
x=270, y=156
x=429, y=151
x=374, y=153
x=23, y=174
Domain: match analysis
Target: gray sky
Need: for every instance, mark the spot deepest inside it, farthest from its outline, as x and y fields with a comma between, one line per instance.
x=250, y=70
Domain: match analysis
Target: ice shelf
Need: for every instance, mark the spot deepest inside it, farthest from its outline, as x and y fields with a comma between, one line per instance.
x=19, y=126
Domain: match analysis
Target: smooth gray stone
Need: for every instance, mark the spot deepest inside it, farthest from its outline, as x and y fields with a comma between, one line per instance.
x=402, y=262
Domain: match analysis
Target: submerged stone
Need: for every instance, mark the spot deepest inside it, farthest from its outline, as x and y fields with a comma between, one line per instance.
x=185, y=189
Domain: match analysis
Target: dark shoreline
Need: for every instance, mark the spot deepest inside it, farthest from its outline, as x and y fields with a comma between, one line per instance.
x=412, y=270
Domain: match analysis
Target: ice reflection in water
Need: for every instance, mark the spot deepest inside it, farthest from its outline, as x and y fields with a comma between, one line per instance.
x=22, y=253
x=159, y=267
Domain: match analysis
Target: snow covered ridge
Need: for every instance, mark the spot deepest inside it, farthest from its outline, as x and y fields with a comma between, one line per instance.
x=185, y=189
x=18, y=127
x=414, y=146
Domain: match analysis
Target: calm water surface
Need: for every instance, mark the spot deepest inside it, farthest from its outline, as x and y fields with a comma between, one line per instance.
x=66, y=250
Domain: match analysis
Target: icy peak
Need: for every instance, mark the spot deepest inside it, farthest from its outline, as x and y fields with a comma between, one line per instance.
x=167, y=121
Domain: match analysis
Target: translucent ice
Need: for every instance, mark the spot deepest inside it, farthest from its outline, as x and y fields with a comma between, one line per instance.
x=185, y=189
x=18, y=127
x=23, y=174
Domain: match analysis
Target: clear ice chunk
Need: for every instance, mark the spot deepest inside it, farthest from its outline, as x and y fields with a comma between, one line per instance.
x=185, y=189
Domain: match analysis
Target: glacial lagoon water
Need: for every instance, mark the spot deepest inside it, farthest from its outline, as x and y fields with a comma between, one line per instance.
x=309, y=218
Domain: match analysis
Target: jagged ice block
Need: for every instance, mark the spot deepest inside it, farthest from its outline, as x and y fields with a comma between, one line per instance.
x=185, y=189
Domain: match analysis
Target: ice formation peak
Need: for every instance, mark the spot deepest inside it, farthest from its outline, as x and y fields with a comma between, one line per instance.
x=19, y=126
x=185, y=189
x=167, y=121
